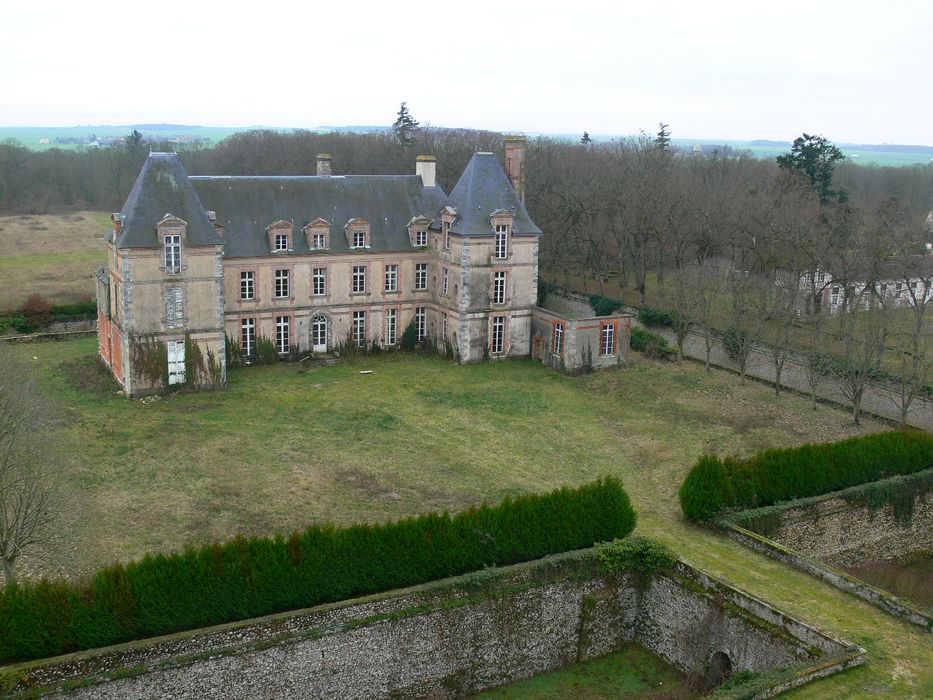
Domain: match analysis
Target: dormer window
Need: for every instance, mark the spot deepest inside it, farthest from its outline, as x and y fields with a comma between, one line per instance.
x=172, y=254
x=171, y=231
x=280, y=236
x=318, y=232
x=501, y=221
x=358, y=234
x=502, y=241
x=418, y=231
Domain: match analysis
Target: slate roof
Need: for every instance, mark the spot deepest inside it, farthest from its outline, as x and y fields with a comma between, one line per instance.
x=245, y=206
x=482, y=189
x=163, y=187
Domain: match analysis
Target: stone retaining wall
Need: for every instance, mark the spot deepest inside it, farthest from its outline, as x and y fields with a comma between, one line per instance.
x=453, y=638
x=843, y=533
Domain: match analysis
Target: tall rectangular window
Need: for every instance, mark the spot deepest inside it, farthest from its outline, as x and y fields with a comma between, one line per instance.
x=421, y=276
x=281, y=241
x=319, y=281
x=247, y=285
x=319, y=240
x=359, y=328
x=446, y=280
x=446, y=236
x=608, y=340
x=498, y=288
x=421, y=238
x=359, y=239
x=173, y=254
x=558, y=338
x=444, y=325
x=282, y=334
x=391, y=278
x=391, y=326
x=498, y=334
x=248, y=337
x=502, y=241
x=421, y=325
x=281, y=283
x=359, y=279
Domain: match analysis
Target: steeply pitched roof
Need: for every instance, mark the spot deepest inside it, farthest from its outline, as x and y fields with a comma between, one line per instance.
x=245, y=206
x=482, y=189
x=163, y=188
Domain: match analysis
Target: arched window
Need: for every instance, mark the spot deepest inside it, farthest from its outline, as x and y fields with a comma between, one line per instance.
x=319, y=334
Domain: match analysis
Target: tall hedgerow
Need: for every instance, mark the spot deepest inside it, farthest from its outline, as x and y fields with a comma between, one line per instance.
x=716, y=484
x=246, y=578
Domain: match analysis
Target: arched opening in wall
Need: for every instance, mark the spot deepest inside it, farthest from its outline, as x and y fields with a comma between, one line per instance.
x=456, y=291
x=319, y=334
x=718, y=670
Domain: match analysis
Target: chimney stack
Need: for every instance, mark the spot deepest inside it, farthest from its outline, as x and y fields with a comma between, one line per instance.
x=323, y=164
x=515, y=163
x=426, y=167
x=117, y=220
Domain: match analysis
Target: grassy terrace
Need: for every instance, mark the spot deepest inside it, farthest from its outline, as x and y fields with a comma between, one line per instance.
x=285, y=446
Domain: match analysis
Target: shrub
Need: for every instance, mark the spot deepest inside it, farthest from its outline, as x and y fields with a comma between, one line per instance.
x=656, y=317
x=409, y=340
x=735, y=343
x=651, y=344
x=245, y=578
x=37, y=310
x=634, y=554
x=604, y=306
x=78, y=310
x=718, y=484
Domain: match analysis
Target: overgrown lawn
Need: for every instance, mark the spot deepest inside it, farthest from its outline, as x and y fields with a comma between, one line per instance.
x=286, y=446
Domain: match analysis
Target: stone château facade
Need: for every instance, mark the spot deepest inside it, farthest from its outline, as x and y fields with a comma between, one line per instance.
x=314, y=262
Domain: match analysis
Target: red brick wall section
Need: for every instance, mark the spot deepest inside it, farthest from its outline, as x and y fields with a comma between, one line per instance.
x=116, y=346
x=103, y=337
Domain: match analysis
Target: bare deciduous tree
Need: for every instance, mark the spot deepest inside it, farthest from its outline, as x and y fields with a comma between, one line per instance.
x=30, y=493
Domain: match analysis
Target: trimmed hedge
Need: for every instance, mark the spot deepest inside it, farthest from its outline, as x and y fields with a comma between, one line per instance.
x=247, y=578
x=718, y=484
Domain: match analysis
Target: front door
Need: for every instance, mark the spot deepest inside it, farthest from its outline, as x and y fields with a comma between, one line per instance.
x=176, y=362
x=319, y=334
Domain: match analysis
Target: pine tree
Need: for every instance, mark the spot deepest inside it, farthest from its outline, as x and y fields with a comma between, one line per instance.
x=405, y=126
x=585, y=139
x=663, y=139
x=814, y=157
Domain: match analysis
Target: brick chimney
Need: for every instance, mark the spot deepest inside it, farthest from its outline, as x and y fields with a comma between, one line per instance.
x=117, y=220
x=323, y=164
x=515, y=163
x=426, y=167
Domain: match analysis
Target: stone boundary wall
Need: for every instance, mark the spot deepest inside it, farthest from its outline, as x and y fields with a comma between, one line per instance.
x=876, y=400
x=453, y=638
x=845, y=582
x=814, y=534
x=42, y=337
x=843, y=533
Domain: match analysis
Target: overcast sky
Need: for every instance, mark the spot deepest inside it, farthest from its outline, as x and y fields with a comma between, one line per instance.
x=854, y=71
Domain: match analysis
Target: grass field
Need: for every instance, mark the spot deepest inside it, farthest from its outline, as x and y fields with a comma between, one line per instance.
x=53, y=254
x=285, y=446
x=630, y=672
